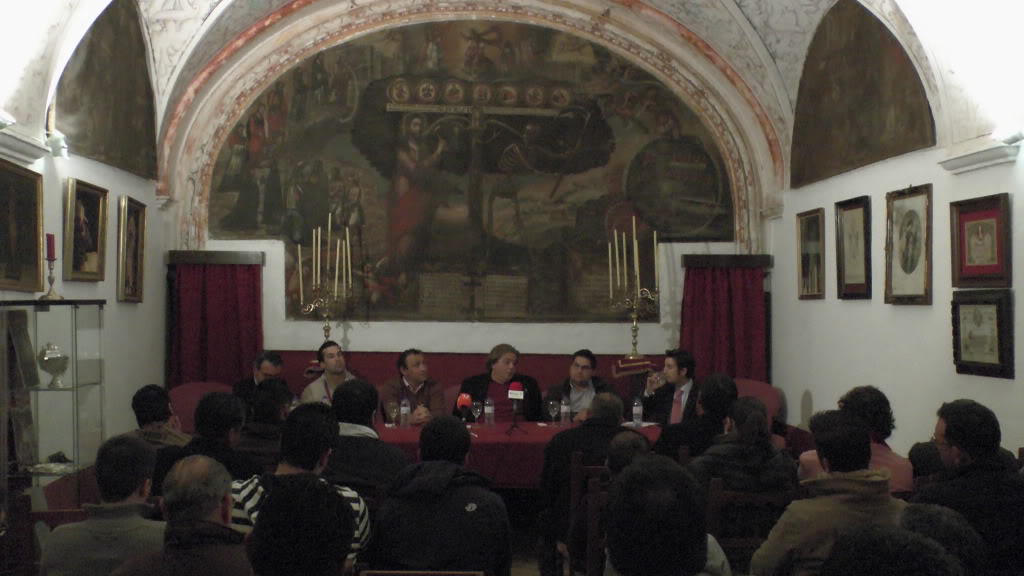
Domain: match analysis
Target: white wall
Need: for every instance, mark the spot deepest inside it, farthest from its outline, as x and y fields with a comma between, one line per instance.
x=821, y=348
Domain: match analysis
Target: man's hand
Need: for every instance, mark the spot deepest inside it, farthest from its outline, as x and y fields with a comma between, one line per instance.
x=582, y=415
x=655, y=380
x=421, y=415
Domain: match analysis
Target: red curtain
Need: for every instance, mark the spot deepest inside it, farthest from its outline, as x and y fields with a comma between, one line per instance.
x=216, y=322
x=724, y=324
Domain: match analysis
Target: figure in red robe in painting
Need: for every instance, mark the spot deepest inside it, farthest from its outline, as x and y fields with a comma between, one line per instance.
x=258, y=135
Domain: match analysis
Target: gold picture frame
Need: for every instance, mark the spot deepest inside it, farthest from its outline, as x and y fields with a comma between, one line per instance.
x=810, y=244
x=908, y=246
x=85, y=232
x=21, y=229
x=131, y=249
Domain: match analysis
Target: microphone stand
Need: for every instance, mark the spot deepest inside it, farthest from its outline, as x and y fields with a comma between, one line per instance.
x=515, y=419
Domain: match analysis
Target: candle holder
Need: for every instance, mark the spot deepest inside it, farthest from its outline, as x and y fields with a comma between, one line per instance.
x=636, y=303
x=326, y=305
x=52, y=294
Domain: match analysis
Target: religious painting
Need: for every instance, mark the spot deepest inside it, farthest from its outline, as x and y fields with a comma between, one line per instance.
x=908, y=246
x=810, y=232
x=980, y=245
x=853, y=248
x=85, y=231
x=131, y=249
x=478, y=169
x=983, y=332
x=21, y=229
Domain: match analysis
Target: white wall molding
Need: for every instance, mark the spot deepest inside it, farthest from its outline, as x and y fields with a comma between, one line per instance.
x=973, y=157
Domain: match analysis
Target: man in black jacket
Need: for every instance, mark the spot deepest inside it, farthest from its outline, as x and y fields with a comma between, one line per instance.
x=266, y=366
x=580, y=387
x=715, y=398
x=496, y=383
x=672, y=399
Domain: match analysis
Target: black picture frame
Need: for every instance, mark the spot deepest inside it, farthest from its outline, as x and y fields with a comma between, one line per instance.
x=853, y=249
x=983, y=332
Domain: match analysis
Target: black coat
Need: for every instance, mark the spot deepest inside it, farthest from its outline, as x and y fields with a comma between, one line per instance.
x=744, y=468
x=658, y=406
x=240, y=466
x=697, y=434
x=476, y=387
x=366, y=465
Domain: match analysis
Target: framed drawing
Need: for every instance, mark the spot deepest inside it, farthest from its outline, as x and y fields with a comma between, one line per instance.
x=908, y=246
x=131, y=249
x=810, y=241
x=21, y=229
x=85, y=231
x=853, y=248
x=980, y=244
x=983, y=332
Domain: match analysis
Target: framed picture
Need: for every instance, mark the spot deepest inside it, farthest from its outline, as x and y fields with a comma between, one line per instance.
x=810, y=241
x=21, y=229
x=908, y=246
x=853, y=248
x=983, y=332
x=85, y=231
x=980, y=244
x=131, y=249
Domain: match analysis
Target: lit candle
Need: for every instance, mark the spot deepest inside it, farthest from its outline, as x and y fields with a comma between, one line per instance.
x=656, y=276
x=348, y=257
x=301, y=294
x=609, y=270
x=615, y=235
x=329, y=242
x=337, y=257
x=51, y=249
x=636, y=259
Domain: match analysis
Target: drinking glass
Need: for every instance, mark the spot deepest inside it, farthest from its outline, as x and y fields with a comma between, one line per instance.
x=477, y=409
x=659, y=379
x=392, y=409
x=553, y=408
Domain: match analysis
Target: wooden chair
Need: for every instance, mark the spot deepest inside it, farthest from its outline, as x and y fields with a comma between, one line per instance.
x=73, y=490
x=741, y=521
x=420, y=573
x=597, y=501
x=579, y=478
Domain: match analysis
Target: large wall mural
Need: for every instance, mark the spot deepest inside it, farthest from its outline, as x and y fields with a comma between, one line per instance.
x=480, y=168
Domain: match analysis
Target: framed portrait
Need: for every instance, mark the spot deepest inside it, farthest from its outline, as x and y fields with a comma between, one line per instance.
x=980, y=244
x=21, y=229
x=810, y=241
x=908, y=246
x=983, y=332
x=85, y=231
x=853, y=248
x=131, y=249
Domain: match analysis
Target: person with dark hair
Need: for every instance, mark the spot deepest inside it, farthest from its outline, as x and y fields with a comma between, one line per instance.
x=874, y=550
x=360, y=459
x=305, y=528
x=332, y=362
x=266, y=366
x=116, y=529
x=846, y=496
x=672, y=398
x=437, y=515
x=950, y=530
x=426, y=396
x=872, y=407
x=261, y=435
x=581, y=387
x=306, y=441
x=714, y=398
x=743, y=457
x=158, y=425
x=198, y=539
x=495, y=384
x=977, y=483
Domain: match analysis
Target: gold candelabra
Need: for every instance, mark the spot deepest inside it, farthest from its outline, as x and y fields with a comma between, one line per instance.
x=624, y=290
x=636, y=303
x=326, y=302
x=327, y=305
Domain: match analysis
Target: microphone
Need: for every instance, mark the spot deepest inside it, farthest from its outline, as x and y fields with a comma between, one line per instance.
x=463, y=405
x=515, y=391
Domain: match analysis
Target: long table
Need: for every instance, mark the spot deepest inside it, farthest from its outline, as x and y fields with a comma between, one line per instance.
x=510, y=460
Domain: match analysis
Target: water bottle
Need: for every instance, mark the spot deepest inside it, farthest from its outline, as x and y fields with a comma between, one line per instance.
x=638, y=412
x=404, y=410
x=566, y=411
x=489, y=411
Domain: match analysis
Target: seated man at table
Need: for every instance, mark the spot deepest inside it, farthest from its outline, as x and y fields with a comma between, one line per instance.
x=332, y=361
x=581, y=386
x=158, y=424
x=437, y=515
x=674, y=398
x=496, y=382
x=267, y=365
x=426, y=396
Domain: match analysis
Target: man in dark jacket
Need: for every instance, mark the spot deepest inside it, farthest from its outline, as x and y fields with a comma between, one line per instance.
x=673, y=398
x=266, y=366
x=261, y=435
x=439, y=516
x=496, y=382
x=581, y=386
x=714, y=398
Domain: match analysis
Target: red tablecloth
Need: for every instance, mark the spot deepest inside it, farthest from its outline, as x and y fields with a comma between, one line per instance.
x=513, y=460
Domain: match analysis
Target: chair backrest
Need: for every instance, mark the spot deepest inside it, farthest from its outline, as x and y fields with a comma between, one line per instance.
x=185, y=398
x=763, y=391
x=741, y=521
x=579, y=477
x=451, y=394
x=597, y=501
x=73, y=490
x=798, y=441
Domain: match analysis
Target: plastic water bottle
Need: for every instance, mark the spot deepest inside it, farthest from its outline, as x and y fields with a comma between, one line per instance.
x=638, y=412
x=489, y=411
x=566, y=411
x=404, y=410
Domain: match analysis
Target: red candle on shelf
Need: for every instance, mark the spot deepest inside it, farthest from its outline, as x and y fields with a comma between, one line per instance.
x=50, y=247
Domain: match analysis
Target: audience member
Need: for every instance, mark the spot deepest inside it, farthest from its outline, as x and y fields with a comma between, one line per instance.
x=261, y=435
x=926, y=458
x=360, y=459
x=872, y=407
x=873, y=550
x=198, y=540
x=158, y=425
x=672, y=399
x=426, y=396
x=266, y=366
x=116, y=529
x=848, y=494
x=440, y=516
x=332, y=361
x=950, y=530
x=977, y=483
x=581, y=386
x=304, y=529
x=744, y=457
x=306, y=441
x=713, y=399
x=496, y=382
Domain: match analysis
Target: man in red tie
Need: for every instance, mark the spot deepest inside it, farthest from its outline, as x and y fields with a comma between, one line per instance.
x=672, y=399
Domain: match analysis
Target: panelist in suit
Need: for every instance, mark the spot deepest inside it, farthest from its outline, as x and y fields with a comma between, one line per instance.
x=501, y=372
x=266, y=365
x=426, y=396
x=674, y=398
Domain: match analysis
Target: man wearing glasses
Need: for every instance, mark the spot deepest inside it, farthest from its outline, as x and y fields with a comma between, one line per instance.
x=581, y=386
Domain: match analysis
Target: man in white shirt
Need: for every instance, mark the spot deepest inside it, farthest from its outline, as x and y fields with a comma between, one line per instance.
x=671, y=399
x=332, y=361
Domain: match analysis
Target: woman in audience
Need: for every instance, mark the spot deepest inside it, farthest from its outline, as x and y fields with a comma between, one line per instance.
x=744, y=457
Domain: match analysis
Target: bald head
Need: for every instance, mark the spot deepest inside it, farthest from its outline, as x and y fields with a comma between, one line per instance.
x=195, y=489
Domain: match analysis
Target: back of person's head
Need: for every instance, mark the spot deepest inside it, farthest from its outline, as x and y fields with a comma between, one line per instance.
x=606, y=407
x=444, y=438
x=304, y=529
x=841, y=439
x=354, y=402
x=327, y=344
x=872, y=407
x=950, y=530
x=218, y=413
x=151, y=403
x=269, y=401
x=194, y=489
x=882, y=550
x=684, y=360
x=750, y=421
x=717, y=393
x=308, y=433
x=123, y=465
x=624, y=448
x=971, y=427
x=656, y=520
x=498, y=351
